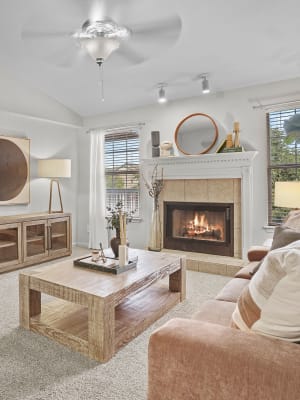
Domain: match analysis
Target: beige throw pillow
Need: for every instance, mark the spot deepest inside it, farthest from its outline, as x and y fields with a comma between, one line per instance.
x=270, y=304
x=293, y=219
x=284, y=235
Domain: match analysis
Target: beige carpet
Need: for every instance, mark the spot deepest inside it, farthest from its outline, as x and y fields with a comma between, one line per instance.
x=34, y=367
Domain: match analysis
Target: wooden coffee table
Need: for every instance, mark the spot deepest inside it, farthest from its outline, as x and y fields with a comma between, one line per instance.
x=94, y=312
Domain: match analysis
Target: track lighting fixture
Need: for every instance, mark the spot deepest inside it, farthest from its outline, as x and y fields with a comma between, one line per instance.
x=205, y=84
x=162, y=94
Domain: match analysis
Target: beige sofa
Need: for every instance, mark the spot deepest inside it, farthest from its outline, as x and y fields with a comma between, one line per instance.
x=204, y=358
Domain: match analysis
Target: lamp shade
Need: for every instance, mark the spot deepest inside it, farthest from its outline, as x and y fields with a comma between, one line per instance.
x=287, y=194
x=54, y=168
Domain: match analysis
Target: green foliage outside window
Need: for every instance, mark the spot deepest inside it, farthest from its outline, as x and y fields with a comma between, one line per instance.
x=284, y=159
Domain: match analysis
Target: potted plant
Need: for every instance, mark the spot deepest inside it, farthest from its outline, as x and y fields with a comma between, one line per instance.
x=113, y=222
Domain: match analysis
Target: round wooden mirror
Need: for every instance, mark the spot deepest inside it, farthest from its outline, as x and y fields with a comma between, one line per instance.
x=196, y=134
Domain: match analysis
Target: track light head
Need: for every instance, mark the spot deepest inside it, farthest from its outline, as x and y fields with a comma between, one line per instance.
x=162, y=95
x=205, y=84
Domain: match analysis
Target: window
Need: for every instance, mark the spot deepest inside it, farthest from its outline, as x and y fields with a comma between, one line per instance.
x=284, y=159
x=122, y=175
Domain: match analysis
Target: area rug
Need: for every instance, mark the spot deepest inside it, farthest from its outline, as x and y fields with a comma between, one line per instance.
x=35, y=367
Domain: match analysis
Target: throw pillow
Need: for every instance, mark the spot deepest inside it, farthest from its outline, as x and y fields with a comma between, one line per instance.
x=270, y=304
x=293, y=219
x=284, y=235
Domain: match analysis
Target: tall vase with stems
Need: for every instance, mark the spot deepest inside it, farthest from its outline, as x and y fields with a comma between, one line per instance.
x=155, y=241
x=155, y=187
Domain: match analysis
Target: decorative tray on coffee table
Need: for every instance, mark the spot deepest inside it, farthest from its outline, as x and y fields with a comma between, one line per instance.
x=110, y=265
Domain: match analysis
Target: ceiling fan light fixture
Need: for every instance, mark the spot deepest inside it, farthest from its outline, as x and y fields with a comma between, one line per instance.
x=162, y=95
x=100, y=48
x=106, y=28
x=101, y=38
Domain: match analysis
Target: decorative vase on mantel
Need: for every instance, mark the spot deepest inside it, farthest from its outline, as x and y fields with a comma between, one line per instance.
x=155, y=241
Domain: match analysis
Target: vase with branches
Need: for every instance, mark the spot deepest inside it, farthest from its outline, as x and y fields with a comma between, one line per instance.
x=155, y=186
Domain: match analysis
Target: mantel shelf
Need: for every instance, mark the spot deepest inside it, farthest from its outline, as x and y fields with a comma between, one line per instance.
x=244, y=158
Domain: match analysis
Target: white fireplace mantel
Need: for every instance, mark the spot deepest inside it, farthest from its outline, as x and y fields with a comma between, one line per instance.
x=214, y=166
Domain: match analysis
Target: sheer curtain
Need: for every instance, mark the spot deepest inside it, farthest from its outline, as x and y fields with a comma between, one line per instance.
x=97, y=222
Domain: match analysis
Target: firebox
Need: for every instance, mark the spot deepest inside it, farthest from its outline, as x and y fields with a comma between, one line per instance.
x=199, y=227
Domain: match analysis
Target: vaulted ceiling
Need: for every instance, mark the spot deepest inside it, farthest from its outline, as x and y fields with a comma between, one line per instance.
x=237, y=42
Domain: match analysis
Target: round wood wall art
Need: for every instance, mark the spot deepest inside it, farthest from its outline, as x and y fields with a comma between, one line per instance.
x=14, y=170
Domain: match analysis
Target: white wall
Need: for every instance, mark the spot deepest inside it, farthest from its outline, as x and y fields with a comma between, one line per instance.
x=52, y=131
x=224, y=108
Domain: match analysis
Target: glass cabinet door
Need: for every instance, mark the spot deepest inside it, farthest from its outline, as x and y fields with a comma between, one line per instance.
x=10, y=244
x=35, y=239
x=59, y=237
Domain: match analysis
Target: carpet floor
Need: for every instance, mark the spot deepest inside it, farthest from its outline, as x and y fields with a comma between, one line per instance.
x=33, y=367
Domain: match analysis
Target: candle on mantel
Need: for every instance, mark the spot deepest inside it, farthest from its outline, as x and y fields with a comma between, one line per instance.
x=236, y=130
x=229, y=142
x=236, y=126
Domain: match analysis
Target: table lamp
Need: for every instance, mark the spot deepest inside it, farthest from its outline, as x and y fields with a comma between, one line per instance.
x=54, y=169
x=287, y=194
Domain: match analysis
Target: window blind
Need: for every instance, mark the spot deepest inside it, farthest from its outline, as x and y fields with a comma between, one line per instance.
x=122, y=170
x=284, y=159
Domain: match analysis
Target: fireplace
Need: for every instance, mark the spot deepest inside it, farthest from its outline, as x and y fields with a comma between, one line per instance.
x=199, y=227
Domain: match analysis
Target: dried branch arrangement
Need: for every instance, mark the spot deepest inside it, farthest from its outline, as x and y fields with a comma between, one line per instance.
x=155, y=186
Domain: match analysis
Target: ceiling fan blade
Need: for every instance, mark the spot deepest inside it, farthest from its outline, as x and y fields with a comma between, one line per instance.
x=167, y=26
x=45, y=34
x=74, y=57
x=129, y=54
x=113, y=9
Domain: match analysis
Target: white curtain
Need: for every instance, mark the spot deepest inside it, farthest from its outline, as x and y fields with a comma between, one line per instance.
x=97, y=222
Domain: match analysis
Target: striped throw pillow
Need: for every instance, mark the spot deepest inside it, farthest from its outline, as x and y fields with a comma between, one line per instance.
x=270, y=304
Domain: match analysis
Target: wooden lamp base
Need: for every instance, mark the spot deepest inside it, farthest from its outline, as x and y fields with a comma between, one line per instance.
x=51, y=195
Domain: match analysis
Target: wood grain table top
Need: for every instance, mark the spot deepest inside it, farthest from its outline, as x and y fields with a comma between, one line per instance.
x=103, y=284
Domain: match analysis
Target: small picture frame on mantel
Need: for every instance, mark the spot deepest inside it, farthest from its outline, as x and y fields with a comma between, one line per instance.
x=221, y=147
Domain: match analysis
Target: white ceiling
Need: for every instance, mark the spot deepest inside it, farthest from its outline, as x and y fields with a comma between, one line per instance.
x=238, y=42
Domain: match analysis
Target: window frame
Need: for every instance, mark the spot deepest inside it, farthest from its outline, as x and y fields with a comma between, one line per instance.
x=271, y=166
x=134, y=133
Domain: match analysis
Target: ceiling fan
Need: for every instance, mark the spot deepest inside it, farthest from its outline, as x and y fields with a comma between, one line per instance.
x=98, y=34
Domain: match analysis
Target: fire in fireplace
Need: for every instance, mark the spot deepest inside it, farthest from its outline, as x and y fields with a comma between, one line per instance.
x=199, y=227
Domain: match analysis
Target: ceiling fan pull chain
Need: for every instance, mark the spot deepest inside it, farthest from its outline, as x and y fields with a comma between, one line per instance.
x=102, y=81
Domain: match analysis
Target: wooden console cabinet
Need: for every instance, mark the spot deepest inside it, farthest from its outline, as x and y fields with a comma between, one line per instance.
x=29, y=239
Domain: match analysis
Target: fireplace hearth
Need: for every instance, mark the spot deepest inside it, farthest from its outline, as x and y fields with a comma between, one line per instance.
x=199, y=227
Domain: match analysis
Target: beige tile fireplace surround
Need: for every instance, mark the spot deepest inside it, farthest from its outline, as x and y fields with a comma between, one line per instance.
x=207, y=191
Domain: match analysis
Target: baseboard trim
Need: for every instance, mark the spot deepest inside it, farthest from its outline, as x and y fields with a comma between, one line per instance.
x=81, y=244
